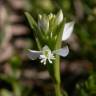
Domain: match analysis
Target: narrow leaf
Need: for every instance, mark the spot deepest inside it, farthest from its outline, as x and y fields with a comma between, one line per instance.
x=31, y=21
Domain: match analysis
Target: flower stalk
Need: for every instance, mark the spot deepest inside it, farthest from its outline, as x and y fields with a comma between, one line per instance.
x=57, y=65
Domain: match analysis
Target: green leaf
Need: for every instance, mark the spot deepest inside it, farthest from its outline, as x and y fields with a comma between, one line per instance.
x=15, y=62
x=17, y=89
x=37, y=33
x=31, y=21
x=5, y=92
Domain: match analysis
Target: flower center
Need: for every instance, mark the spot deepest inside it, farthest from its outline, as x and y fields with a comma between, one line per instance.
x=46, y=53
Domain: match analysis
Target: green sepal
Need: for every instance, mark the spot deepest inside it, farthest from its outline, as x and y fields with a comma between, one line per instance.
x=31, y=21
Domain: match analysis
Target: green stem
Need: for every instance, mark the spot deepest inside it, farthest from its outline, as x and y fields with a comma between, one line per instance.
x=57, y=90
x=57, y=77
x=57, y=64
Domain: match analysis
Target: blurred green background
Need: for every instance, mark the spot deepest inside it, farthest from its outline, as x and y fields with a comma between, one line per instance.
x=20, y=76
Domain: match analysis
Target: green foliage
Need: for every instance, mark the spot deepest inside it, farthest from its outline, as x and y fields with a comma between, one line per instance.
x=5, y=92
x=15, y=62
x=87, y=88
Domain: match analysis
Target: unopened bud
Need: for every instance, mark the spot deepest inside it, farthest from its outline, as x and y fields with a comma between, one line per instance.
x=43, y=23
x=59, y=17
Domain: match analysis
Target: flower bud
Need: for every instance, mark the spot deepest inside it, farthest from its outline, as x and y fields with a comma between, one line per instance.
x=43, y=23
x=50, y=16
x=59, y=17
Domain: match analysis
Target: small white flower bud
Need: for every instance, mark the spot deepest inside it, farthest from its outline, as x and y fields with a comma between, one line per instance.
x=59, y=17
x=43, y=23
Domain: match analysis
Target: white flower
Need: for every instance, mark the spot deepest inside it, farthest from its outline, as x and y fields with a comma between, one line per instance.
x=46, y=54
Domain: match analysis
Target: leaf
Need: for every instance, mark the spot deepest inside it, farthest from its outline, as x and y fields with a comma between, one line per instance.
x=31, y=21
x=5, y=92
x=68, y=29
x=17, y=88
x=37, y=33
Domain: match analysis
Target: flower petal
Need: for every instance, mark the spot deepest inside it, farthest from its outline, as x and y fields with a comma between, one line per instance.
x=33, y=54
x=49, y=61
x=42, y=56
x=68, y=28
x=62, y=52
